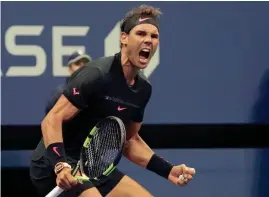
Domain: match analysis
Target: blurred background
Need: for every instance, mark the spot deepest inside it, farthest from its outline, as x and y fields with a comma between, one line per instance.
x=210, y=76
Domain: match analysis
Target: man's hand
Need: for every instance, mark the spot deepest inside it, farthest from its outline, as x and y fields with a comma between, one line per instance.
x=180, y=175
x=65, y=180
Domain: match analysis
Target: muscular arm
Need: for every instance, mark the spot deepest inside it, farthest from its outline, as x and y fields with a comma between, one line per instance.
x=138, y=152
x=74, y=97
x=136, y=149
x=57, y=92
x=52, y=124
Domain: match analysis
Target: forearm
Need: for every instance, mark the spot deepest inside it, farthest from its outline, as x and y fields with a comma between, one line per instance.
x=53, y=140
x=51, y=126
x=137, y=151
x=52, y=129
x=141, y=154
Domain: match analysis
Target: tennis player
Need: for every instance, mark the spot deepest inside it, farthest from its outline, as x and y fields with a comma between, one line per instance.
x=109, y=86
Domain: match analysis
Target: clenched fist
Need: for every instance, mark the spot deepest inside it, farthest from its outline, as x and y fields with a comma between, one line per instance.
x=180, y=175
x=65, y=180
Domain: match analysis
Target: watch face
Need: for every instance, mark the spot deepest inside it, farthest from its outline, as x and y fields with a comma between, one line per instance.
x=58, y=167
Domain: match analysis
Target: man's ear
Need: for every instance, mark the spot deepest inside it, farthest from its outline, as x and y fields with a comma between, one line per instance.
x=70, y=69
x=124, y=38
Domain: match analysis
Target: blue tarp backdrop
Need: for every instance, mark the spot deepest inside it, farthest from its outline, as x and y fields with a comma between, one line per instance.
x=211, y=59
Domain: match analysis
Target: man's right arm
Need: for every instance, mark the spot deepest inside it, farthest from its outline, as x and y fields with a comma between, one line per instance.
x=53, y=140
x=56, y=93
x=52, y=124
x=75, y=97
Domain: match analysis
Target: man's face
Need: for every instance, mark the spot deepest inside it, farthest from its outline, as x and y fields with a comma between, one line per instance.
x=142, y=42
x=73, y=67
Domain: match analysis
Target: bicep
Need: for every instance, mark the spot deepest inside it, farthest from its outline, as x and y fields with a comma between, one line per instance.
x=53, y=98
x=63, y=109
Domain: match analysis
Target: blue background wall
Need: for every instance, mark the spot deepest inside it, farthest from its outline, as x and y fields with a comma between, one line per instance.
x=212, y=57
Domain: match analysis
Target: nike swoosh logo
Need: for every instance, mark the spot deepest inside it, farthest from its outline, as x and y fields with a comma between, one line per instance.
x=55, y=150
x=143, y=19
x=75, y=92
x=121, y=108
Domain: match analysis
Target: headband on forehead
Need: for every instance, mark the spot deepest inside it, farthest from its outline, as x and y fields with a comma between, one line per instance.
x=130, y=23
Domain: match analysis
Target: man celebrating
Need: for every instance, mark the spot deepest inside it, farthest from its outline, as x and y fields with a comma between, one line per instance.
x=109, y=86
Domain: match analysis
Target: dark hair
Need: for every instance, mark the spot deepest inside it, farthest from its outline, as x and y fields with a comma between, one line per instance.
x=142, y=11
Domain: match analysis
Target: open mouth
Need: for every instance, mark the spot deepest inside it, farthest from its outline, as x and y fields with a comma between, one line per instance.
x=144, y=55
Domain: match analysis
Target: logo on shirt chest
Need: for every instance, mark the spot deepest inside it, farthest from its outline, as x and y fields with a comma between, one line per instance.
x=121, y=104
x=121, y=108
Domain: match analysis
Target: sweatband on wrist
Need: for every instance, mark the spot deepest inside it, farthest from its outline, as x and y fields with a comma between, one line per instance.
x=159, y=166
x=56, y=153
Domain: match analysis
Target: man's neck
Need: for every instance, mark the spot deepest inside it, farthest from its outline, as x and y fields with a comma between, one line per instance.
x=129, y=70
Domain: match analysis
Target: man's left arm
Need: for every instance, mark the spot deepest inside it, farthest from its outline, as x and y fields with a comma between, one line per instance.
x=138, y=152
x=136, y=149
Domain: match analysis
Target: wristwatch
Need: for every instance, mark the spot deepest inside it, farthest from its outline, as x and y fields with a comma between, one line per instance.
x=60, y=166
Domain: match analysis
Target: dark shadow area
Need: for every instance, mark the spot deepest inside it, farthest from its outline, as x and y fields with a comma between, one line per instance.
x=21, y=183
x=262, y=187
x=260, y=115
x=162, y=136
x=260, y=111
